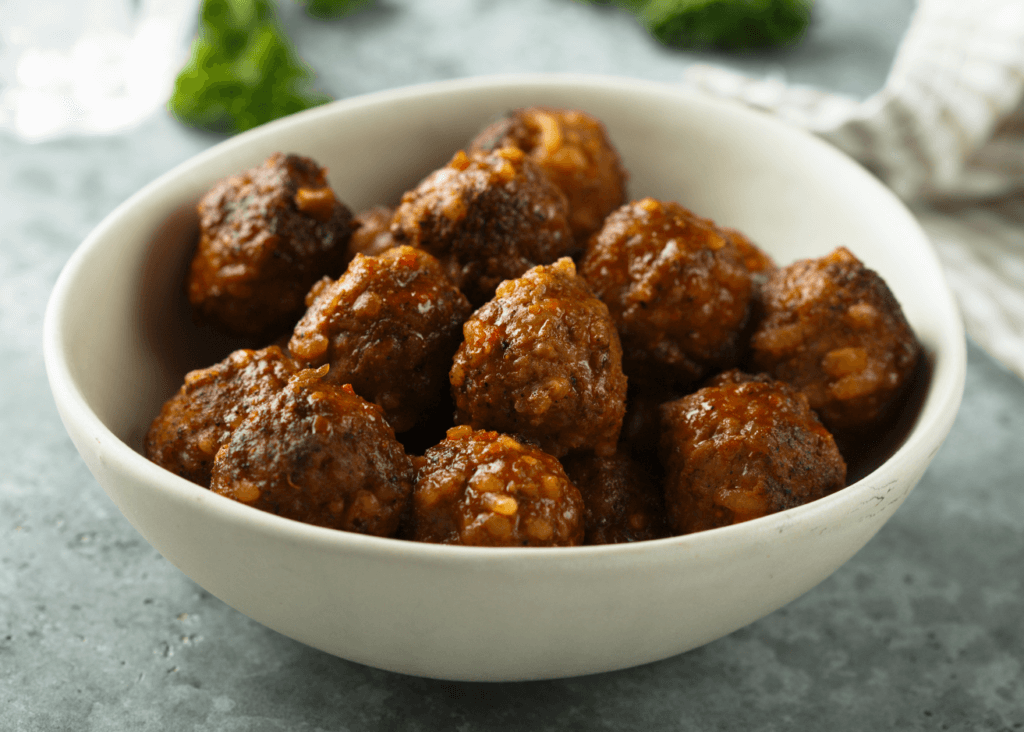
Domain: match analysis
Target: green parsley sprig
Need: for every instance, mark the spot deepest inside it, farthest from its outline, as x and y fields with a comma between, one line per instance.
x=243, y=70
x=724, y=24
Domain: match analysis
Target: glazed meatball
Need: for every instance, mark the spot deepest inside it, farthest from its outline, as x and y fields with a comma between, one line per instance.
x=389, y=327
x=542, y=360
x=744, y=447
x=487, y=218
x=574, y=151
x=488, y=489
x=677, y=289
x=621, y=501
x=195, y=422
x=755, y=259
x=318, y=453
x=265, y=236
x=372, y=234
x=832, y=328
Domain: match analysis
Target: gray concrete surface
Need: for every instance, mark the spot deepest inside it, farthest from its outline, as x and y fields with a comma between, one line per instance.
x=920, y=631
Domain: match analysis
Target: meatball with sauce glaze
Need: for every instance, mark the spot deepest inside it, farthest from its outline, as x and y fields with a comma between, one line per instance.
x=832, y=328
x=389, y=327
x=677, y=289
x=487, y=489
x=195, y=422
x=372, y=234
x=756, y=260
x=487, y=217
x=743, y=447
x=574, y=151
x=265, y=236
x=621, y=501
x=542, y=360
x=318, y=453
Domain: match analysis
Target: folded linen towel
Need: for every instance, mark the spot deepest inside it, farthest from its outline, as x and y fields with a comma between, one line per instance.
x=946, y=133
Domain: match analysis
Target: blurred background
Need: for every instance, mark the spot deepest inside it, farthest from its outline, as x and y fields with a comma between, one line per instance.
x=103, y=66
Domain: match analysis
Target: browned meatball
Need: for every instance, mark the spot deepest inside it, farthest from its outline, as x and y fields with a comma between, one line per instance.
x=574, y=151
x=195, y=422
x=389, y=326
x=543, y=360
x=677, y=289
x=755, y=259
x=744, y=447
x=832, y=328
x=318, y=453
x=621, y=501
x=487, y=489
x=265, y=236
x=487, y=218
x=372, y=235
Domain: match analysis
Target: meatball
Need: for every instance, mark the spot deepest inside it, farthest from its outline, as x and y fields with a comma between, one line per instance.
x=488, y=489
x=389, y=326
x=677, y=289
x=743, y=447
x=755, y=259
x=318, y=453
x=372, y=235
x=621, y=502
x=487, y=218
x=265, y=236
x=832, y=328
x=542, y=360
x=574, y=151
x=195, y=422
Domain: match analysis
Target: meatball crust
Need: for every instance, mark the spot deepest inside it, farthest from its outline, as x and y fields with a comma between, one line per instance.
x=832, y=328
x=542, y=360
x=318, y=453
x=743, y=447
x=574, y=151
x=677, y=290
x=621, y=501
x=755, y=259
x=487, y=217
x=487, y=489
x=265, y=236
x=195, y=422
x=389, y=327
x=372, y=234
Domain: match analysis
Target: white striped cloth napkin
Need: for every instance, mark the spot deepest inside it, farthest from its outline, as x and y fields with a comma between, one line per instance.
x=946, y=133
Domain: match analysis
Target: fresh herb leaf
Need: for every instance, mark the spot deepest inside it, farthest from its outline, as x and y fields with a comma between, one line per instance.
x=726, y=24
x=326, y=9
x=243, y=70
x=733, y=24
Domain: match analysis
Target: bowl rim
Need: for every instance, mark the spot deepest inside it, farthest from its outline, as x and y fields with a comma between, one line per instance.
x=942, y=401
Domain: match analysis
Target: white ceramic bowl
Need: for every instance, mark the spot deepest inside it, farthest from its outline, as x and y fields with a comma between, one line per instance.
x=118, y=340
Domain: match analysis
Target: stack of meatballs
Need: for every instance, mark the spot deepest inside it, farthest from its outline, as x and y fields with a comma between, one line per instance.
x=517, y=355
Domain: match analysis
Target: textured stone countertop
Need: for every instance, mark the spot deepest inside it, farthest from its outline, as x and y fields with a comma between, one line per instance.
x=920, y=630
